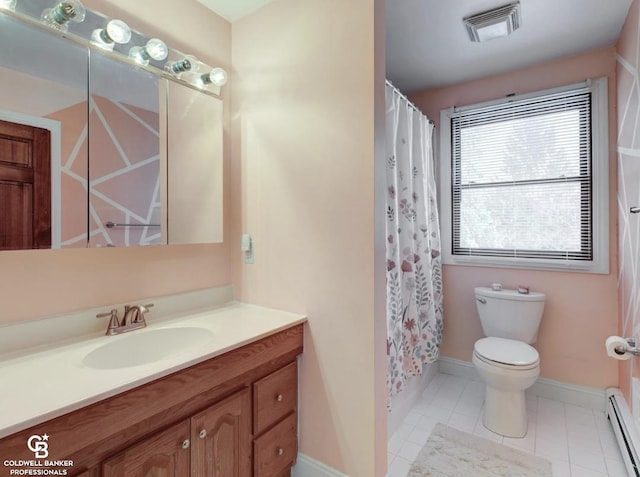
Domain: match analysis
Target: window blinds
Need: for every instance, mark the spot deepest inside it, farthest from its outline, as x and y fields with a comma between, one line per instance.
x=522, y=178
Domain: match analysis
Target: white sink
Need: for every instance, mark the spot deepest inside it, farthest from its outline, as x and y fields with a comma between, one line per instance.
x=146, y=346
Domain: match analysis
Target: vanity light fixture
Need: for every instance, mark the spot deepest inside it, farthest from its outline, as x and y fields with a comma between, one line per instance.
x=116, y=31
x=492, y=24
x=64, y=12
x=216, y=76
x=155, y=49
x=8, y=5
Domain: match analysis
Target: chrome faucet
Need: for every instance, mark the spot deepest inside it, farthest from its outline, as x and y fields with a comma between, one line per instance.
x=132, y=319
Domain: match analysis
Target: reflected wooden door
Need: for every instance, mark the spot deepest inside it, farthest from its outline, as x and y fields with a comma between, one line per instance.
x=25, y=187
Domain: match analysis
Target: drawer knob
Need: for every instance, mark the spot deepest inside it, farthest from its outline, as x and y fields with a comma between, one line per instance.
x=186, y=444
x=279, y=398
x=203, y=433
x=279, y=451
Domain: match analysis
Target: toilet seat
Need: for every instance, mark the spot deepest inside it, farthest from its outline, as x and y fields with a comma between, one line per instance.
x=506, y=353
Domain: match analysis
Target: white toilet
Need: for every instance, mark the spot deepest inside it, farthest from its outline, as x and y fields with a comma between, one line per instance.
x=504, y=360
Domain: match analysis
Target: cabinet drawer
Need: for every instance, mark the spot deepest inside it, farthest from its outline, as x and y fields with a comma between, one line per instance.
x=274, y=396
x=276, y=450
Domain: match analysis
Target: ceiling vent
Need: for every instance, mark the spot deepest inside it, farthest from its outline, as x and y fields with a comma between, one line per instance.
x=492, y=24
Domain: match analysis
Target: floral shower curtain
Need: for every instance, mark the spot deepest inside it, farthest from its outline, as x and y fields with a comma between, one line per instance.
x=414, y=272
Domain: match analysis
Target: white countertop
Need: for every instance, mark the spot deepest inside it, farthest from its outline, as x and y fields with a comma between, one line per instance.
x=41, y=386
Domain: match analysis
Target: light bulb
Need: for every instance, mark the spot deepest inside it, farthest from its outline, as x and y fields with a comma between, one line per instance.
x=8, y=5
x=64, y=12
x=157, y=49
x=139, y=55
x=188, y=63
x=154, y=49
x=116, y=31
x=216, y=76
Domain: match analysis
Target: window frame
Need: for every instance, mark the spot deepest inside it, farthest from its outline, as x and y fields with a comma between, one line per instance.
x=599, y=192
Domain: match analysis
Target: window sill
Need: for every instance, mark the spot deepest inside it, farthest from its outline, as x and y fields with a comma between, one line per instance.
x=598, y=267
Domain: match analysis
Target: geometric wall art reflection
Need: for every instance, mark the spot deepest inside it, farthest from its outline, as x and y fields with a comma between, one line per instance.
x=628, y=148
x=124, y=174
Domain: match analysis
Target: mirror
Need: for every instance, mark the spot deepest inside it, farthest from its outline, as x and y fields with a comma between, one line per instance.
x=194, y=175
x=43, y=139
x=124, y=150
x=130, y=158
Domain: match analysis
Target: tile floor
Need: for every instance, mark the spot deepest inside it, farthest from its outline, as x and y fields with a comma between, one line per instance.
x=578, y=441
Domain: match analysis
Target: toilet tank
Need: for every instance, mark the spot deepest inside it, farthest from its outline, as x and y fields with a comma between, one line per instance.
x=509, y=314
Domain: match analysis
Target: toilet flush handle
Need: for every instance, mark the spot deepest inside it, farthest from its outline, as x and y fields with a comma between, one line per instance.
x=481, y=300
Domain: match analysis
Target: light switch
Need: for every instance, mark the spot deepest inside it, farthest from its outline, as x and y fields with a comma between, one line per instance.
x=246, y=246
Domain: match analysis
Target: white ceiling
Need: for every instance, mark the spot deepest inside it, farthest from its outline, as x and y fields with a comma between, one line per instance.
x=232, y=10
x=428, y=46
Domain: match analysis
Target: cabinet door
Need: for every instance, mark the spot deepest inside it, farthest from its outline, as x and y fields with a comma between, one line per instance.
x=164, y=455
x=221, y=438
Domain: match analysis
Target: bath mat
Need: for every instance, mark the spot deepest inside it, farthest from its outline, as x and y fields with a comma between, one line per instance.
x=452, y=453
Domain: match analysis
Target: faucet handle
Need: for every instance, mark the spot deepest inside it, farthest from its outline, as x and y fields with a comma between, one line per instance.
x=143, y=309
x=108, y=313
x=114, y=323
x=139, y=311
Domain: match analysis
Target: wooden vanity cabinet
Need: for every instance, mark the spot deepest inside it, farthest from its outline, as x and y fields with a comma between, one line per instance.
x=221, y=438
x=231, y=416
x=214, y=443
x=275, y=400
x=163, y=454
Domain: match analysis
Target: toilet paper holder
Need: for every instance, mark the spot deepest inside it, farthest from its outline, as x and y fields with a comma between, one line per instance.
x=631, y=349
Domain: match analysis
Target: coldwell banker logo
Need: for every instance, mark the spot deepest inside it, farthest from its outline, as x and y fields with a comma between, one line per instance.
x=40, y=465
x=39, y=446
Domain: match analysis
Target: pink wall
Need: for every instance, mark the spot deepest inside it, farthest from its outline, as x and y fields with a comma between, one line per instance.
x=47, y=282
x=73, y=194
x=304, y=104
x=581, y=309
x=628, y=143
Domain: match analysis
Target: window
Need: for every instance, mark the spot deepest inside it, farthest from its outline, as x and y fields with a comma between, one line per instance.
x=525, y=181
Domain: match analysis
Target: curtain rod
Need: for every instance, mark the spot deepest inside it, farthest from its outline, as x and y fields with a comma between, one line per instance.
x=409, y=103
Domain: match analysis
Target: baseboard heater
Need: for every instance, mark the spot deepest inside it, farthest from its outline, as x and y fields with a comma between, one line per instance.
x=625, y=430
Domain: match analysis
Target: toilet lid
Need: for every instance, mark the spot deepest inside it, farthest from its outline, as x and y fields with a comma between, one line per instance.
x=505, y=351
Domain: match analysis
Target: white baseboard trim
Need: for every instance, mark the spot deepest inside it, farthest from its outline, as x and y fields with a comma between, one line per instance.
x=308, y=467
x=592, y=398
x=457, y=367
